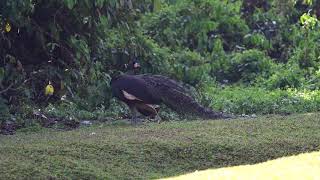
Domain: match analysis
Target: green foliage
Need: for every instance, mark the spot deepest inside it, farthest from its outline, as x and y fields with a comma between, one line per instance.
x=196, y=24
x=4, y=110
x=308, y=22
x=245, y=66
x=256, y=40
x=250, y=100
x=158, y=59
x=75, y=44
x=190, y=67
x=284, y=77
x=314, y=80
x=305, y=53
x=71, y=111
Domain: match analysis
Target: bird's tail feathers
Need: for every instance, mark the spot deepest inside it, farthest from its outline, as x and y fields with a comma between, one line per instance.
x=185, y=104
x=177, y=98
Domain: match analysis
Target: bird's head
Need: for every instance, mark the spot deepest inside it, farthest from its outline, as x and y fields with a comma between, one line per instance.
x=133, y=67
x=133, y=64
x=136, y=64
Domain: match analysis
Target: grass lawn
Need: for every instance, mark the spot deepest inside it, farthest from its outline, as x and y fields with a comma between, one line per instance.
x=120, y=151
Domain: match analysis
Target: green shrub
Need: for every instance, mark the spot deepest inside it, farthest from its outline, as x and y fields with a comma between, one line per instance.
x=257, y=41
x=245, y=66
x=68, y=110
x=195, y=24
x=158, y=60
x=306, y=50
x=4, y=110
x=75, y=45
x=190, y=67
x=284, y=77
x=250, y=100
x=314, y=80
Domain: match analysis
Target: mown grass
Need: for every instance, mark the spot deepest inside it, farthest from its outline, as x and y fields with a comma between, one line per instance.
x=120, y=151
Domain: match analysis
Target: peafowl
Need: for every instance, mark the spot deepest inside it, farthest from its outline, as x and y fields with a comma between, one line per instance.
x=144, y=93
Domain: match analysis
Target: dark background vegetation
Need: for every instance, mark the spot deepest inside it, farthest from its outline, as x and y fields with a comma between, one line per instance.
x=241, y=56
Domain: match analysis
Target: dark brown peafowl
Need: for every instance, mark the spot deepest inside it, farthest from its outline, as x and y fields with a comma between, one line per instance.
x=143, y=93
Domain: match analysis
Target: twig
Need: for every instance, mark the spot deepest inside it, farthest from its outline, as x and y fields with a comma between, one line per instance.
x=5, y=90
x=55, y=14
x=10, y=86
x=25, y=81
x=51, y=36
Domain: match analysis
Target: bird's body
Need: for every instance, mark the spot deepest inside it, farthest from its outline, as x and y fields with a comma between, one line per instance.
x=135, y=86
x=142, y=92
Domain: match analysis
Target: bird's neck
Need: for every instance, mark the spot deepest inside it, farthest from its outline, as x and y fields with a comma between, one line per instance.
x=117, y=75
x=132, y=72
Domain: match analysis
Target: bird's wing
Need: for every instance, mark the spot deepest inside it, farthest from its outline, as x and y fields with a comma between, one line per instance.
x=130, y=96
x=134, y=88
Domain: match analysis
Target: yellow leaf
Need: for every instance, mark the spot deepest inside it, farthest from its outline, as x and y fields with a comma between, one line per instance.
x=8, y=27
x=49, y=90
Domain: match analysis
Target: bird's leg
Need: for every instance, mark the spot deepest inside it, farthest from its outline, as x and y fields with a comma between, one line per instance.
x=158, y=118
x=134, y=118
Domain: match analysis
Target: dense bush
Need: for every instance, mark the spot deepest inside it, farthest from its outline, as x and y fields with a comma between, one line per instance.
x=197, y=24
x=245, y=66
x=75, y=45
x=284, y=77
x=190, y=67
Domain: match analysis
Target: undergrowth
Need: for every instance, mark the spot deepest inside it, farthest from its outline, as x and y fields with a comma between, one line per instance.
x=257, y=100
